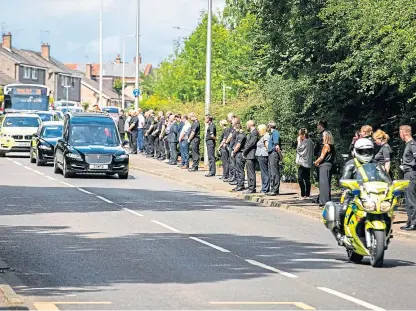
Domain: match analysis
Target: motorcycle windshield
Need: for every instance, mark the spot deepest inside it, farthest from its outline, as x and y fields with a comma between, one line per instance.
x=374, y=172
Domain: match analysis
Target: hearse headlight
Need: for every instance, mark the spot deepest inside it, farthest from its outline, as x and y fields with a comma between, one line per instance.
x=122, y=157
x=74, y=156
x=45, y=147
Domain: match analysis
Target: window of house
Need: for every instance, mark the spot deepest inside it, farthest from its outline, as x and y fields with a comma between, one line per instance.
x=65, y=81
x=26, y=72
x=73, y=81
x=34, y=74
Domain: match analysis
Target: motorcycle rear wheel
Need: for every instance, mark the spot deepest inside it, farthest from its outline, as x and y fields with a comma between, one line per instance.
x=378, y=238
x=354, y=257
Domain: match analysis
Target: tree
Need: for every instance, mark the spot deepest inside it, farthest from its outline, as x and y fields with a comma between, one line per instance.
x=118, y=87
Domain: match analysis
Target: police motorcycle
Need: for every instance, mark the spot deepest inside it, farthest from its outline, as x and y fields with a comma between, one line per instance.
x=362, y=221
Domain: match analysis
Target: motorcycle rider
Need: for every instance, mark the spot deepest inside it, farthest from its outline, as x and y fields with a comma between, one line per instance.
x=358, y=168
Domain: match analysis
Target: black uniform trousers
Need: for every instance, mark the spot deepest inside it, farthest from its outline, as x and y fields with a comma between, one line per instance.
x=225, y=159
x=410, y=197
x=157, y=147
x=122, y=137
x=264, y=169
x=173, y=153
x=233, y=174
x=133, y=135
x=151, y=142
x=195, y=153
x=167, y=149
x=325, y=177
x=239, y=168
x=146, y=144
x=211, y=157
x=251, y=173
x=304, y=180
x=274, y=172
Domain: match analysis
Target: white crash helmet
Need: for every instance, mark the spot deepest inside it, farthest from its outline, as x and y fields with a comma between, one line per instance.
x=363, y=150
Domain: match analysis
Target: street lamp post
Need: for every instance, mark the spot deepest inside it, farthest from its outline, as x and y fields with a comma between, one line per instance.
x=124, y=71
x=208, y=75
x=137, y=99
x=67, y=95
x=101, y=53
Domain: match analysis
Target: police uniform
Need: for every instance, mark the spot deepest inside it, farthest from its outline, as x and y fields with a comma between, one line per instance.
x=194, y=144
x=233, y=175
x=225, y=155
x=151, y=138
x=239, y=160
x=210, y=141
x=409, y=169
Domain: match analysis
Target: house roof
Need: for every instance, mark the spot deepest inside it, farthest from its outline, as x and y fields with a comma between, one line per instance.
x=5, y=79
x=107, y=93
x=20, y=58
x=53, y=64
x=113, y=69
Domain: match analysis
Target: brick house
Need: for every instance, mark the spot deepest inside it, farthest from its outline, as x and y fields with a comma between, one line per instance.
x=113, y=71
x=32, y=67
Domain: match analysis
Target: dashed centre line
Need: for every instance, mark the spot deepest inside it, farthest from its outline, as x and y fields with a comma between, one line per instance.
x=39, y=173
x=66, y=184
x=85, y=191
x=51, y=178
x=210, y=245
x=166, y=226
x=262, y=265
x=18, y=163
x=28, y=168
x=104, y=199
x=352, y=299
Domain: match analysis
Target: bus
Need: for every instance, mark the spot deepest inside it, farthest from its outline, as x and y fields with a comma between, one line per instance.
x=25, y=97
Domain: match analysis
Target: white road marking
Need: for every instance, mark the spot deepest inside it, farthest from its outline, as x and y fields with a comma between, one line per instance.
x=319, y=260
x=39, y=173
x=18, y=163
x=133, y=212
x=210, y=245
x=48, y=177
x=166, y=226
x=326, y=253
x=104, y=199
x=66, y=184
x=9, y=159
x=352, y=299
x=85, y=191
x=28, y=168
x=261, y=265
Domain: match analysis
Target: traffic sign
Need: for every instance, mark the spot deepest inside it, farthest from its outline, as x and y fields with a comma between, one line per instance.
x=136, y=92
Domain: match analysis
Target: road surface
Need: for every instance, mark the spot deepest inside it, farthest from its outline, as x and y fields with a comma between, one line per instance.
x=93, y=243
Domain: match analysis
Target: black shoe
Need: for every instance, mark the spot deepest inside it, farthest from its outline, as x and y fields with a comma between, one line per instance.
x=237, y=189
x=410, y=228
x=173, y=163
x=193, y=170
x=230, y=180
x=133, y=152
x=209, y=175
x=233, y=183
x=249, y=191
x=272, y=194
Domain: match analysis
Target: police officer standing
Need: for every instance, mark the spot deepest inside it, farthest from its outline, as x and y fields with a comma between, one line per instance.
x=150, y=137
x=237, y=153
x=409, y=169
x=232, y=137
x=223, y=149
x=195, y=140
x=249, y=153
x=210, y=141
x=172, y=139
x=274, y=159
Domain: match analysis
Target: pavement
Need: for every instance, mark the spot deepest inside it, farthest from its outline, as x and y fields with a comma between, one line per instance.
x=288, y=200
x=147, y=243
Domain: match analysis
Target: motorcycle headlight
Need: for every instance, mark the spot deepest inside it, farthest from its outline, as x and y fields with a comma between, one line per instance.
x=74, y=156
x=45, y=147
x=369, y=206
x=385, y=206
x=5, y=136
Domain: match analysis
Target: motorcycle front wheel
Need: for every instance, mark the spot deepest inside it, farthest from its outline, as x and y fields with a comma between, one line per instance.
x=378, y=238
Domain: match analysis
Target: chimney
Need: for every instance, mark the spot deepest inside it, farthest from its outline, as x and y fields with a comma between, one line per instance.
x=88, y=71
x=46, y=51
x=118, y=59
x=7, y=41
x=140, y=59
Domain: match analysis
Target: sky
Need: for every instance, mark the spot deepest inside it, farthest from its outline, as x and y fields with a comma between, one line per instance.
x=71, y=27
